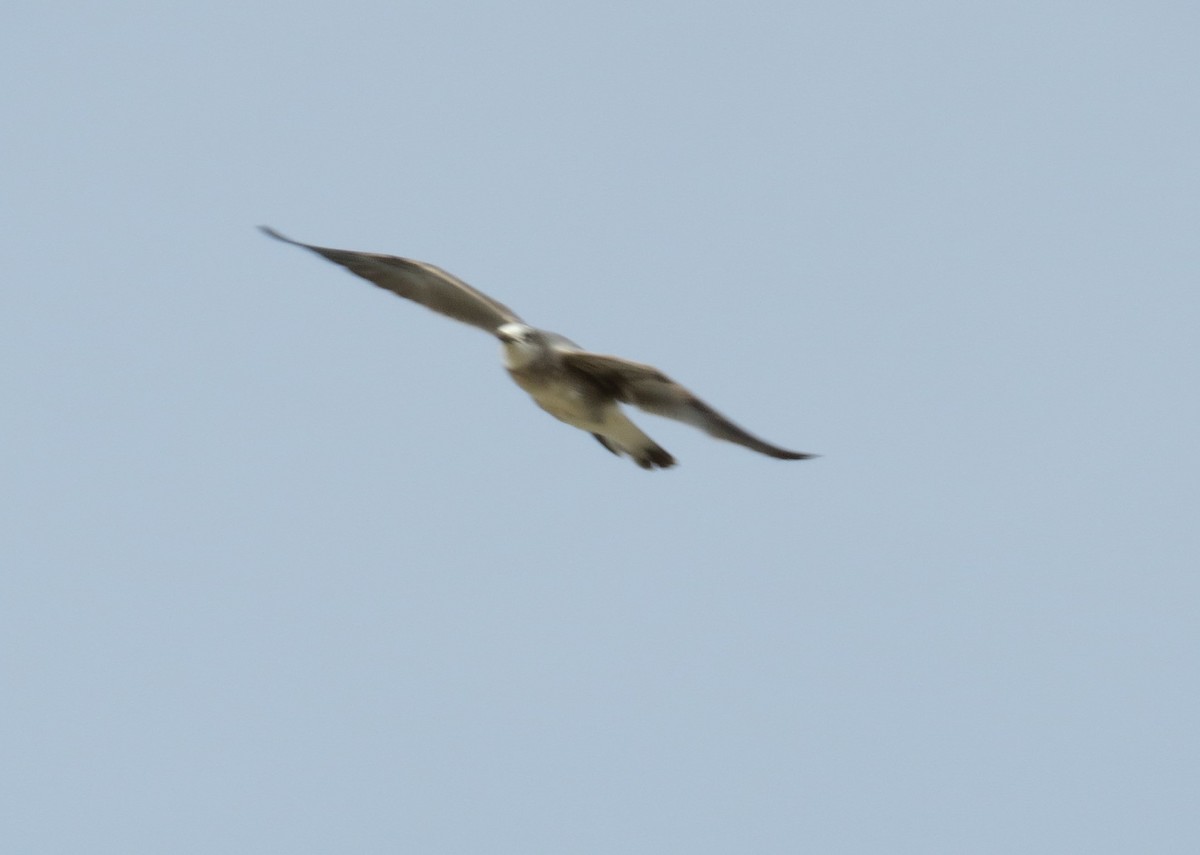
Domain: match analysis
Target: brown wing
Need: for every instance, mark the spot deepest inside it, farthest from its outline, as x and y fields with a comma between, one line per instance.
x=422, y=283
x=647, y=388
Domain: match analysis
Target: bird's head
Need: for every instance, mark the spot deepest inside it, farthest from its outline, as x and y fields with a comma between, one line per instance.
x=522, y=344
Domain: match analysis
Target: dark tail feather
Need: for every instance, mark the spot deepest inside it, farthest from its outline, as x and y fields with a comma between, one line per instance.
x=651, y=457
x=654, y=457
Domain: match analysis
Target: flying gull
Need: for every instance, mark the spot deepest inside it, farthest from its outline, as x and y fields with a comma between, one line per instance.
x=576, y=386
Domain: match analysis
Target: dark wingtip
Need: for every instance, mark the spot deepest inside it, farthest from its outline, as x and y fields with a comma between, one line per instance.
x=270, y=232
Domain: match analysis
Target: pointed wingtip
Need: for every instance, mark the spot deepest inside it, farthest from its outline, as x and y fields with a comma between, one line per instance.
x=270, y=232
x=795, y=455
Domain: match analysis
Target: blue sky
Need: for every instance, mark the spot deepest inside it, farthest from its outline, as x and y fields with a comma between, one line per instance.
x=290, y=565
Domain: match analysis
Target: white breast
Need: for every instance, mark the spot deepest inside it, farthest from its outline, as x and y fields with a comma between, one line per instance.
x=518, y=354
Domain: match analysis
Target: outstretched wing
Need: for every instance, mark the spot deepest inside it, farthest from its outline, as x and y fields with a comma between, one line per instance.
x=422, y=283
x=649, y=389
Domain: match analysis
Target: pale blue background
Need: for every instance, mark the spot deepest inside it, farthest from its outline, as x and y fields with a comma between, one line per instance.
x=290, y=566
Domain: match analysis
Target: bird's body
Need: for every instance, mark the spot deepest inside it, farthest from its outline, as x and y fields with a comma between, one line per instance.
x=578, y=387
x=575, y=397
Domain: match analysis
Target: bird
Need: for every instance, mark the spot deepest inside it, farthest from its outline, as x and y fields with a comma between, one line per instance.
x=576, y=386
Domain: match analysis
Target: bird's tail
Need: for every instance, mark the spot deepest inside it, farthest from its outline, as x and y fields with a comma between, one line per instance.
x=654, y=456
x=644, y=451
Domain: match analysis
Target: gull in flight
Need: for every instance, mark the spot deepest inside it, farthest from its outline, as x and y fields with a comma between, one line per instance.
x=576, y=386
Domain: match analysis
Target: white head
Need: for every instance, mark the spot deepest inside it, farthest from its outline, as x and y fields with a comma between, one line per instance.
x=522, y=344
